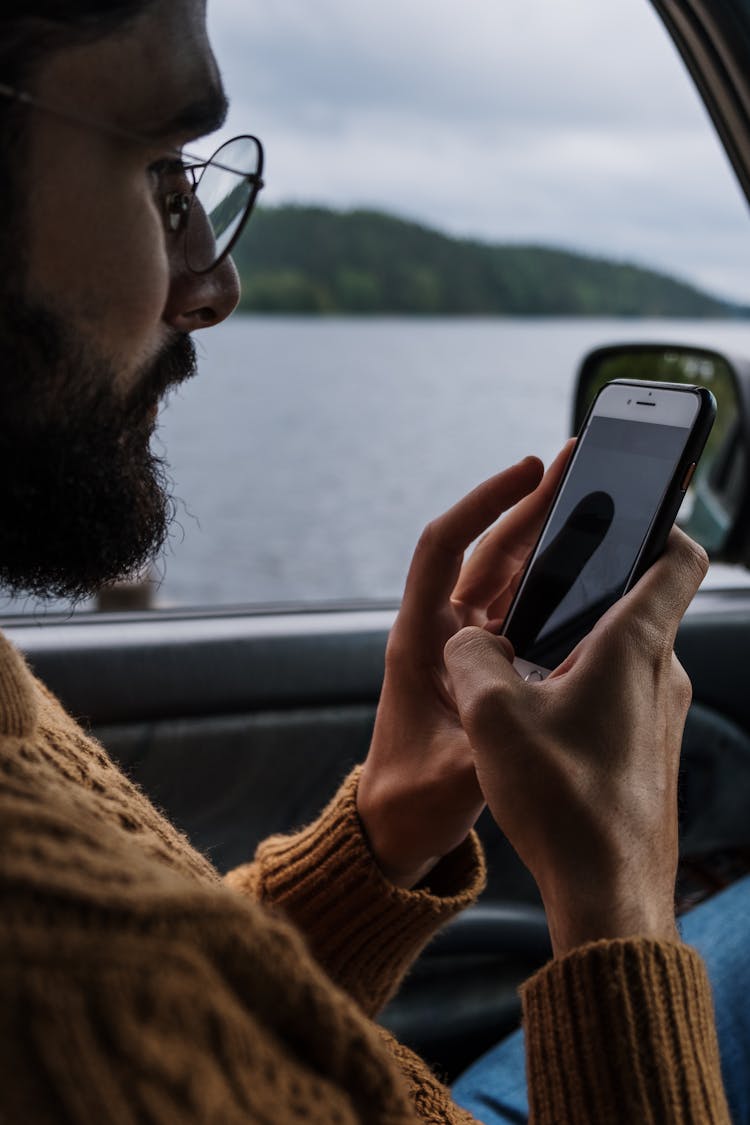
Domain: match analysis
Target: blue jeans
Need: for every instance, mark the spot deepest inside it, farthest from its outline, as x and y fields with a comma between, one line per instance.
x=494, y=1088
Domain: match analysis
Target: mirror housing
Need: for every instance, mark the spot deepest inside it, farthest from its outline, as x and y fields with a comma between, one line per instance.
x=716, y=511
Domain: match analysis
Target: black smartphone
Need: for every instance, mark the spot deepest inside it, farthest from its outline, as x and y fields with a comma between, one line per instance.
x=611, y=515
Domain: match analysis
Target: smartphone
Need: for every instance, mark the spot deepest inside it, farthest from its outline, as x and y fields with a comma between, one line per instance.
x=611, y=515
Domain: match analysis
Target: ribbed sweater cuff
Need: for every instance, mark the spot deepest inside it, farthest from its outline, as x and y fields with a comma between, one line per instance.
x=18, y=711
x=623, y=1031
x=363, y=929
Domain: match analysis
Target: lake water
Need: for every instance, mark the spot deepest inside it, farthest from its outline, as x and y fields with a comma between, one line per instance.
x=309, y=453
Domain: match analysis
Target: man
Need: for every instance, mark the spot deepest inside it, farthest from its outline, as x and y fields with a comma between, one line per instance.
x=134, y=986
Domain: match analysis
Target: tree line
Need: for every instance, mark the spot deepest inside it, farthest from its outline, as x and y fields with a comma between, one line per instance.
x=299, y=259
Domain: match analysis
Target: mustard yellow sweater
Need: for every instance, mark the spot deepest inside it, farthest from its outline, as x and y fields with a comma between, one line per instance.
x=137, y=986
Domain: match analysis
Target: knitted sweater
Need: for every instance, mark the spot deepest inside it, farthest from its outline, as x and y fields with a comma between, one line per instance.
x=137, y=986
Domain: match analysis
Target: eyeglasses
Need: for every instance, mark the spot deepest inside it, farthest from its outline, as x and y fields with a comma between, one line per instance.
x=211, y=200
x=206, y=201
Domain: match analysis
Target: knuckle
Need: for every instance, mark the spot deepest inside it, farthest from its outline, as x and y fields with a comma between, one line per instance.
x=481, y=709
x=464, y=644
x=693, y=558
x=397, y=651
x=682, y=686
x=429, y=538
x=484, y=697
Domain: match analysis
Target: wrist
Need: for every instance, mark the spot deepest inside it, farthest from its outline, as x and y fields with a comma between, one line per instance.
x=406, y=879
x=393, y=859
x=577, y=920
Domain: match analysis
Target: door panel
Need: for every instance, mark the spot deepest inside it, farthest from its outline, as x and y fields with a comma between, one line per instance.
x=239, y=725
x=229, y=781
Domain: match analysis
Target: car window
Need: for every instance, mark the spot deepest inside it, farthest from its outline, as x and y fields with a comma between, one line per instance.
x=384, y=360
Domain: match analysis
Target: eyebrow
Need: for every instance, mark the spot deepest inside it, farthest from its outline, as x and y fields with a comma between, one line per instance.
x=204, y=115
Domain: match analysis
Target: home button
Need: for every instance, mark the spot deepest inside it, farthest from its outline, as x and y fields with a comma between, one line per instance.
x=533, y=677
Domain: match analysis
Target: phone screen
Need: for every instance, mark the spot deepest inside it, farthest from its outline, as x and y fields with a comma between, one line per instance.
x=591, y=544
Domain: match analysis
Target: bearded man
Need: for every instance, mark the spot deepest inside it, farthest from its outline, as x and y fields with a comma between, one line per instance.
x=135, y=984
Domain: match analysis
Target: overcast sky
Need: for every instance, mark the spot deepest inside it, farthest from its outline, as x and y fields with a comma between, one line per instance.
x=570, y=122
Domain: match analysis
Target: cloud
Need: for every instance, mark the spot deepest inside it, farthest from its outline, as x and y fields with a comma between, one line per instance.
x=564, y=121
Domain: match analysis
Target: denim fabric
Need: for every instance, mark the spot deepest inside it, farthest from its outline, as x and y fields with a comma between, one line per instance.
x=494, y=1087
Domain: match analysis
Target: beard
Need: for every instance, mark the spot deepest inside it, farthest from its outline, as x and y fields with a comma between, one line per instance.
x=83, y=499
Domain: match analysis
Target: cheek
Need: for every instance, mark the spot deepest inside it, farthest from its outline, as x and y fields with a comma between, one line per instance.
x=99, y=257
x=134, y=278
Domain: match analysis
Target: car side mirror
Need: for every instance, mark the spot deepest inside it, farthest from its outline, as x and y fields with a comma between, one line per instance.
x=716, y=509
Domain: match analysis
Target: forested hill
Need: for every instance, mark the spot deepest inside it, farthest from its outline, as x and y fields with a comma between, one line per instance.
x=313, y=260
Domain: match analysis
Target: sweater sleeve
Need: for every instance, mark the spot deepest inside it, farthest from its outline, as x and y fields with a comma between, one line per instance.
x=220, y=1015
x=623, y=1031
x=363, y=930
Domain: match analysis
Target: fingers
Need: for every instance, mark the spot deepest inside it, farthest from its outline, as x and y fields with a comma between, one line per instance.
x=437, y=560
x=502, y=553
x=665, y=591
x=481, y=672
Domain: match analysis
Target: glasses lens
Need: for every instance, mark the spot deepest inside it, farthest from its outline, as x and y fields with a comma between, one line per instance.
x=221, y=198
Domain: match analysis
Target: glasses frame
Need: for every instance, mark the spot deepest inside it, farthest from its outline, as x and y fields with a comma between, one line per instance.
x=180, y=204
x=172, y=207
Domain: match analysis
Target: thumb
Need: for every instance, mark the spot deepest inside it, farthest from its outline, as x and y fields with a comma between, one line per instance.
x=482, y=675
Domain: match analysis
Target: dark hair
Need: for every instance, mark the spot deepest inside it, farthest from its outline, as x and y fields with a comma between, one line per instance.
x=30, y=30
x=69, y=11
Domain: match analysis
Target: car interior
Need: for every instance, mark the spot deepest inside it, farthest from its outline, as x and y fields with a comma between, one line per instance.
x=241, y=723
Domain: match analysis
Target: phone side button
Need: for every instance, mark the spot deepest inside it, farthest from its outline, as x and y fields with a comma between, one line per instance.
x=533, y=677
x=688, y=477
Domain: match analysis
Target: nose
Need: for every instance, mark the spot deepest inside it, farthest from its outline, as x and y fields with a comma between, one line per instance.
x=201, y=300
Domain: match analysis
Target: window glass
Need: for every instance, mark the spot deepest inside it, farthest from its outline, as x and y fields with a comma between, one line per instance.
x=374, y=373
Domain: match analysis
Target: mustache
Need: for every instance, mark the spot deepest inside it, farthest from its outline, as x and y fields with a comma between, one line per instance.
x=174, y=364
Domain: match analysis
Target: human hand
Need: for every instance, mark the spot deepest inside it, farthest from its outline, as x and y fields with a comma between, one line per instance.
x=418, y=796
x=580, y=771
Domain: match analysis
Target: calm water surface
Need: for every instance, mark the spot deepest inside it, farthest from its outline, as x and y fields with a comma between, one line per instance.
x=309, y=453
